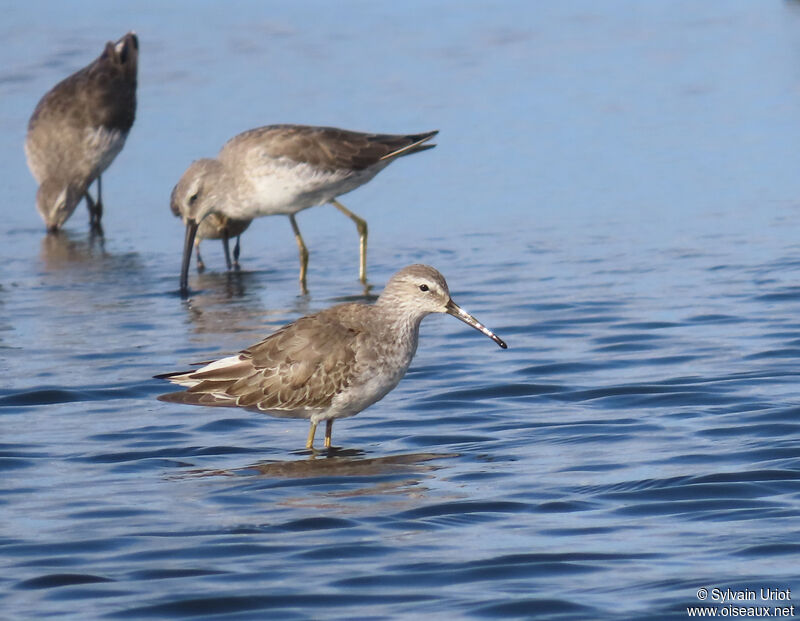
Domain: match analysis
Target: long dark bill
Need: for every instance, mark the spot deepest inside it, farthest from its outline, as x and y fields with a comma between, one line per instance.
x=459, y=313
x=188, y=246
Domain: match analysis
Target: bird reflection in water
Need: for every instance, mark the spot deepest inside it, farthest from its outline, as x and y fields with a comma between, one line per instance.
x=62, y=249
x=225, y=285
x=398, y=479
x=333, y=463
x=229, y=302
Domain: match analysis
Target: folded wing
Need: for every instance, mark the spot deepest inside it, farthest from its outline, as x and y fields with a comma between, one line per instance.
x=298, y=369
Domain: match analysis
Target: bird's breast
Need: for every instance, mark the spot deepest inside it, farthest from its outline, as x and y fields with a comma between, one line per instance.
x=381, y=366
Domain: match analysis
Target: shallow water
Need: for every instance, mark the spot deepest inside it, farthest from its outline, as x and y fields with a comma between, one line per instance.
x=614, y=193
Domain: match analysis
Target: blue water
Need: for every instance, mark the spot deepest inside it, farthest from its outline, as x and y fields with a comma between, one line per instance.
x=614, y=192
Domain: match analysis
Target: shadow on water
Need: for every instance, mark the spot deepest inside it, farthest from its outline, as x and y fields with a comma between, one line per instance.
x=334, y=463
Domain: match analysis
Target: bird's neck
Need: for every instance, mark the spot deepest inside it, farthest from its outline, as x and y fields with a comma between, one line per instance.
x=404, y=322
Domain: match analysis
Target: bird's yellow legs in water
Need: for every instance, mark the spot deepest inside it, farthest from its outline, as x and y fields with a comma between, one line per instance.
x=303, y=261
x=361, y=226
x=313, y=430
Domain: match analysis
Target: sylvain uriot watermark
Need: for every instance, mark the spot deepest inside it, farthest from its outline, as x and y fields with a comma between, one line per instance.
x=763, y=602
x=764, y=594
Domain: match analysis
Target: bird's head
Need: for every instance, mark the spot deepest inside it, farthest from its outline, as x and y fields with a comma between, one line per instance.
x=56, y=201
x=419, y=290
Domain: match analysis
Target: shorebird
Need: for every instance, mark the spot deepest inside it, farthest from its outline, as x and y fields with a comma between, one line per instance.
x=331, y=364
x=283, y=169
x=213, y=226
x=78, y=128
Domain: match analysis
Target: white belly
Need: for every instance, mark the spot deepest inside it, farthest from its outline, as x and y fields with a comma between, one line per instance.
x=374, y=382
x=285, y=187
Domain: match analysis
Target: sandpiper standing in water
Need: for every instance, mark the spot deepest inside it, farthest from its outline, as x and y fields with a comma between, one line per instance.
x=332, y=364
x=213, y=226
x=77, y=130
x=283, y=169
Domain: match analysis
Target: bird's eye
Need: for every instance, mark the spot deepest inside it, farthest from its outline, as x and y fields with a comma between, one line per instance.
x=423, y=287
x=193, y=198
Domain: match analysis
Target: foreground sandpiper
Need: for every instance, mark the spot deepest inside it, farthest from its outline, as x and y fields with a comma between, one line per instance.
x=283, y=169
x=331, y=364
x=77, y=130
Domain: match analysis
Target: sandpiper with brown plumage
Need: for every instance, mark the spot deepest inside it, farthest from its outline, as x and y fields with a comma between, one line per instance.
x=213, y=226
x=281, y=170
x=78, y=128
x=332, y=364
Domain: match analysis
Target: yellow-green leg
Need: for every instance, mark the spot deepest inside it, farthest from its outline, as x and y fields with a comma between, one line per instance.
x=301, y=245
x=200, y=265
x=311, y=432
x=361, y=226
x=328, y=431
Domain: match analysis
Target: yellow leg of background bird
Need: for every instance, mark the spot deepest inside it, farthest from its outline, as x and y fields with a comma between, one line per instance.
x=311, y=432
x=328, y=431
x=303, y=253
x=361, y=225
x=200, y=265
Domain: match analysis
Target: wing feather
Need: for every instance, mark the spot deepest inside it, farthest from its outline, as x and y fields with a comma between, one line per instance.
x=301, y=367
x=331, y=148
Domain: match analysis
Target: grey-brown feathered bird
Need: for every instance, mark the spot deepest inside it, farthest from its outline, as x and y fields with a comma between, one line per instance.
x=283, y=169
x=77, y=130
x=332, y=364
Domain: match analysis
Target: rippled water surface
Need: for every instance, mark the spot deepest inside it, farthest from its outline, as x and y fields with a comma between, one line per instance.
x=615, y=193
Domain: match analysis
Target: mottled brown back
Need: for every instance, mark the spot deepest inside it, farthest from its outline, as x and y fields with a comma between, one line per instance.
x=101, y=94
